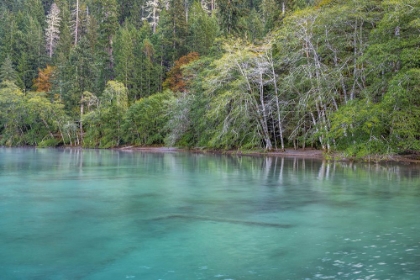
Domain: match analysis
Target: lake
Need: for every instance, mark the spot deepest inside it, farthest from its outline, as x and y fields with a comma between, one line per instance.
x=103, y=214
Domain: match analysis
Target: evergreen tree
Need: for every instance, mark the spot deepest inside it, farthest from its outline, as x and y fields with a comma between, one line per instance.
x=153, y=9
x=52, y=32
x=270, y=11
x=125, y=60
x=33, y=55
x=203, y=30
x=230, y=12
x=76, y=75
x=7, y=71
x=173, y=30
x=9, y=36
x=107, y=12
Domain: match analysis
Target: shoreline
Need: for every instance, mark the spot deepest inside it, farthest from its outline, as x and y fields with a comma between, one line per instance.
x=308, y=153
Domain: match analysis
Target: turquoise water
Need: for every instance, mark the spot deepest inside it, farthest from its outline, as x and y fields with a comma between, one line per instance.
x=73, y=214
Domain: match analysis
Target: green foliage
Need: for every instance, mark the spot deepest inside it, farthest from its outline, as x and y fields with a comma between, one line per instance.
x=125, y=57
x=202, y=28
x=180, y=122
x=52, y=142
x=103, y=126
x=270, y=10
x=230, y=12
x=173, y=31
x=145, y=121
x=253, y=26
x=11, y=114
x=136, y=61
x=393, y=44
x=106, y=13
x=77, y=73
x=7, y=71
x=403, y=101
x=28, y=119
x=360, y=128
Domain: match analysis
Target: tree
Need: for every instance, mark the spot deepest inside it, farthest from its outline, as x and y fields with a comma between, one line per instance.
x=43, y=82
x=175, y=80
x=29, y=119
x=203, y=30
x=44, y=118
x=145, y=121
x=173, y=31
x=153, y=9
x=360, y=128
x=52, y=32
x=7, y=71
x=393, y=45
x=129, y=11
x=10, y=42
x=76, y=74
x=107, y=12
x=403, y=101
x=136, y=61
x=11, y=114
x=230, y=12
x=125, y=60
x=77, y=21
x=270, y=13
x=149, y=71
x=253, y=27
x=32, y=51
x=104, y=126
x=35, y=9
x=240, y=104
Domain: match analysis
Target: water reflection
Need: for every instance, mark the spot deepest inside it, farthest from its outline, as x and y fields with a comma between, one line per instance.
x=94, y=214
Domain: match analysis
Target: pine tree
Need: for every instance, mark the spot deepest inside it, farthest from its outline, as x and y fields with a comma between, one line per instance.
x=106, y=12
x=203, y=29
x=230, y=12
x=32, y=52
x=124, y=57
x=173, y=30
x=52, y=32
x=76, y=22
x=153, y=9
x=9, y=29
x=7, y=71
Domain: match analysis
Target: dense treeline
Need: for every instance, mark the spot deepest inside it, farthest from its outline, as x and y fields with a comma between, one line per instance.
x=218, y=74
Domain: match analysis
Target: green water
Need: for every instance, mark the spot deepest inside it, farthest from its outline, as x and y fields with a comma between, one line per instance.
x=72, y=214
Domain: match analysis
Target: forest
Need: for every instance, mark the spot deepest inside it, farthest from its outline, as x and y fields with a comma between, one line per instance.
x=336, y=75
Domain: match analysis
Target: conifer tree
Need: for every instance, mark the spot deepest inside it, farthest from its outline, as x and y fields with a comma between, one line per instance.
x=124, y=56
x=52, y=32
x=76, y=22
x=7, y=71
x=230, y=12
x=203, y=29
x=153, y=9
x=106, y=11
x=173, y=29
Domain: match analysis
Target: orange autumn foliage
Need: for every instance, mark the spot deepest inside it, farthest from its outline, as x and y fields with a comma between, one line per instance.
x=43, y=82
x=175, y=80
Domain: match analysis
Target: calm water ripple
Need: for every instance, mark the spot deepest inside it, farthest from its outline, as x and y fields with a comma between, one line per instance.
x=93, y=214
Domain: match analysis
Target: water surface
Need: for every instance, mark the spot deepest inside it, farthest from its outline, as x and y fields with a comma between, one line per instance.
x=73, y=214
